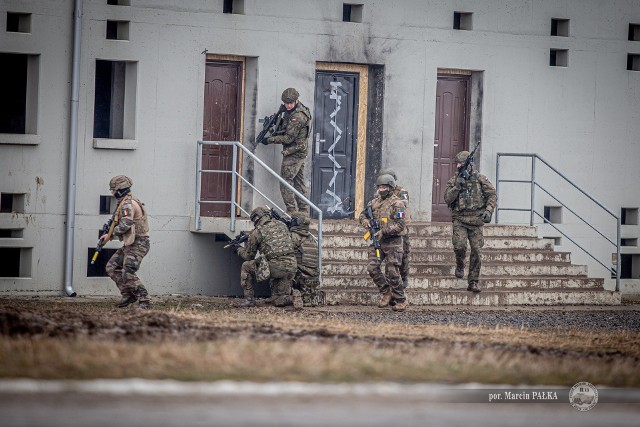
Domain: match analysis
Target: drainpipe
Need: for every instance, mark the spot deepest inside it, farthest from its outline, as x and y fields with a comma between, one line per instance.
x=73, y=151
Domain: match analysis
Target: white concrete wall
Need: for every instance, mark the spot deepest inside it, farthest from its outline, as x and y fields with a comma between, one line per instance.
x=584, y=119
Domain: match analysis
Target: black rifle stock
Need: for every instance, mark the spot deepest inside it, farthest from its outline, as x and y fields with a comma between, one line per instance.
x=464, y=169
x=270, y=125
x=275, y=215
x=238, y=240
x=374, y=227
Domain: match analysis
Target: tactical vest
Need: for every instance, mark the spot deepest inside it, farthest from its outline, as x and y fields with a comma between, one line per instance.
x=470, y=197
x=275, y=240
x=384, y=210
x=141, y=223
x=306, y=253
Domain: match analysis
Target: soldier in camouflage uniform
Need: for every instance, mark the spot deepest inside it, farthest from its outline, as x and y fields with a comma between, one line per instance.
x=472, y=202
x=132, y=228
x=306, y=250
x=272, y=239
x=293, y=134
x=389, y=211
x=406, y=244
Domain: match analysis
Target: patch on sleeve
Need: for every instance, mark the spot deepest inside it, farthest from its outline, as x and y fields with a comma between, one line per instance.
x=293, y=119
x=400, y=214
x=404, y=195
x=126, y=212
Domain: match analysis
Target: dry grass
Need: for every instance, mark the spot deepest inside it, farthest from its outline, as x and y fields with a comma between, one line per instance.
x=269, y=344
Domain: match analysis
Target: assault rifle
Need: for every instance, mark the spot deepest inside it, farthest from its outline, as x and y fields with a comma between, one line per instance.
x=270, y=125
x=288, y=222
x=107, y=229
x=464, y=169
x=374, y=227
x=238, y=240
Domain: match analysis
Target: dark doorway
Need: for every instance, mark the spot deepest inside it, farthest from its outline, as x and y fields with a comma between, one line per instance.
x=222, y=101
x=451, y=136
x=335, y=133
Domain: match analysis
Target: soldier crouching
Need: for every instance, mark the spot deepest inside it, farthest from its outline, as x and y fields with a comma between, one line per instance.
x=306, y=250
x=389, y=214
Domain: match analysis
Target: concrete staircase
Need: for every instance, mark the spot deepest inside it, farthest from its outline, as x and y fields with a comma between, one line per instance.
x=518, y=268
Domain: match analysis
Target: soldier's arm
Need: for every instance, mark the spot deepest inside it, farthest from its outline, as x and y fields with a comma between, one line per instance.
x=489, y=193
x=451, y=192
x=297, y=122
x=126, y=219
x=362, y=219
x=248, y=252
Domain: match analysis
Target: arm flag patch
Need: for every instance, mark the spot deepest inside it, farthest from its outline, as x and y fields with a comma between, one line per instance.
x=400, y=214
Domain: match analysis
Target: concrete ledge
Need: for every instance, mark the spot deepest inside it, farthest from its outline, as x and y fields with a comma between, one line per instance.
x=115, y=144
x=19, y=139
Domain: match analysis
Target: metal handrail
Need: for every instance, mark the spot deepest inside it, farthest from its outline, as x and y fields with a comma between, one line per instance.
x=534, y=157
x=235, y=174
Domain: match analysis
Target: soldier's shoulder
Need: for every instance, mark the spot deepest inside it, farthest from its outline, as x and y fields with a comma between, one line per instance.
x=300, y=116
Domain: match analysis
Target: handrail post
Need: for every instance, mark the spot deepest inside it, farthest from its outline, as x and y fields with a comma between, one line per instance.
x=618, y=260
x=198, y=185
x=234, y=183
x=497, y=186
x=533, y=187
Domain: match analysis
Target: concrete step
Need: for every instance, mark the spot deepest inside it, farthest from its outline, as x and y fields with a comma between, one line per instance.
x=485, y=298
x=427, y=229
x=354, y=241
x=349, y=268
x=360, y=254
x=363, y=281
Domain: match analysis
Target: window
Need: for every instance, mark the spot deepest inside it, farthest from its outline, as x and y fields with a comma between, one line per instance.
x=629, y=266
x=98, y=268
x=634, y=32
x=233, y=6
x=16, y=262
x=559, y=58
x=463, y=21
x=628, y=242
x=11, y=233
x=117, y=30
x=559, y=27
x=107, y=205
x=115, y=100
x=352, y=12
x=629, y=216
x=633, y=62
x=553, y=214
x=11, y=203
x=19, y=89
x=18, y=22
x=119, y=2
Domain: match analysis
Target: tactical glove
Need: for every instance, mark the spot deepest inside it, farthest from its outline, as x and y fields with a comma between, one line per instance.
x=265, y=141
x=460, y=181
x=486, y=217
x=379, y=234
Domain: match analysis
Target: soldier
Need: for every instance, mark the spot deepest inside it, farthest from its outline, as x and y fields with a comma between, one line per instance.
x=132, y=228
x=406, y=244
x=306, y=250
x=472, y=202
x=295, y=128
x=272, y=239
x=389, y=212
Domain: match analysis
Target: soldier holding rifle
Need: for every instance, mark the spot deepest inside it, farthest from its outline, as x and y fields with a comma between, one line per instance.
x=384, y=218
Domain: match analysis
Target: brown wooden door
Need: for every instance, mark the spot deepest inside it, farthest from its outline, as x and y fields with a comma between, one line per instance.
x=335, y=134
x=222, y=91
x=452, y=124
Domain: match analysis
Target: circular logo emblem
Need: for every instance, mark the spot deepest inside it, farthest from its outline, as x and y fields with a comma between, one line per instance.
x=583, y=396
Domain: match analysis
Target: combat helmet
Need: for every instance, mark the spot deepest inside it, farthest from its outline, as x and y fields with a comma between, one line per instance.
x=386, y=180
x=258, y=213
x=388, y=172
x=289, y=95
x=120, y=182
x=461, y=157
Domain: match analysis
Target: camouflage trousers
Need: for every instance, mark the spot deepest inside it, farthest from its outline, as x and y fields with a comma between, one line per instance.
x=406, y=249
x=292, y=171
x=307, y=285
x=124, y=264
x=279, y=282
x=473, y=233
x=391, y=255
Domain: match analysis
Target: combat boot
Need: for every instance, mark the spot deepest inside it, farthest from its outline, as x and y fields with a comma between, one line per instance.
x=473, y=286
x=400, y=306
x=385, y=301
x=297, y=300
x=246, y=303
x=126, y=300
x=459, y=272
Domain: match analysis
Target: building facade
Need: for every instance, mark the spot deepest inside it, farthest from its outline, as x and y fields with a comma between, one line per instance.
x=401, y=84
